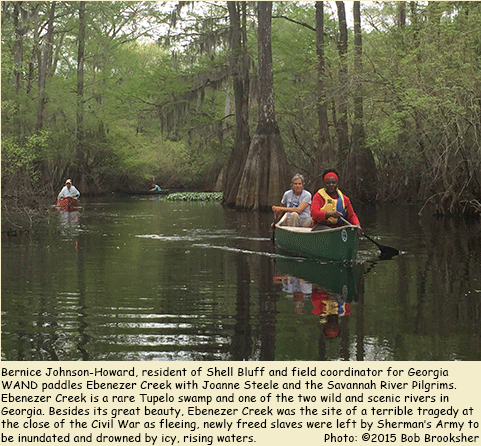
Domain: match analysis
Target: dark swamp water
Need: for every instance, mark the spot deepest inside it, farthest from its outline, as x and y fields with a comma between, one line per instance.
x=146, y=279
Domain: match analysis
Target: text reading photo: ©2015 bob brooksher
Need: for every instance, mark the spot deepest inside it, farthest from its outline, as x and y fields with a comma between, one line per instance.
x=231, y=372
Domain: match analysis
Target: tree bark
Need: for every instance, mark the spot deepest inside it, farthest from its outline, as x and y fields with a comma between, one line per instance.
x=44, y=65
x=240, y=73
x=19, y=18
x=80, y=136
x=401, y=14
x=342, y=123
x=325, y=154
x=359, y=171
x=358, y=127
x=17, y=49
x=264, y=176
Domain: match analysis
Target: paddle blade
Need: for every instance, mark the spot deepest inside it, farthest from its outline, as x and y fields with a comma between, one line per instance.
x=387, y=252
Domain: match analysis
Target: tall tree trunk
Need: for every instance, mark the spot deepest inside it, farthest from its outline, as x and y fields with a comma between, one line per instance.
x=359, y=170
x=358, y=127
x=264, y=176
x=401, y=14
x=80, y=137
x=19, y=17
x=325, y=154
x=36, y=49
x=17, y=49
x=342, y=123
x=240, y=72
x=45, y=62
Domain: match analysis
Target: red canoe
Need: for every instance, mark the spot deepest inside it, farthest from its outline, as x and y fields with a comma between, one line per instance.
x=68, y=204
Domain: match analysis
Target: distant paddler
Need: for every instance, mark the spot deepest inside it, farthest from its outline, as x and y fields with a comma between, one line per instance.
x=68, y=194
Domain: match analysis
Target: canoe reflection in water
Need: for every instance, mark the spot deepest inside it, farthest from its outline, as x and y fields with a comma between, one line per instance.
x=69, y=225
x=329, y=286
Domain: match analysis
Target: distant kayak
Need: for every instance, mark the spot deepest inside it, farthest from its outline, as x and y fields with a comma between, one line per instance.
x=143, y=192
x=68, y=204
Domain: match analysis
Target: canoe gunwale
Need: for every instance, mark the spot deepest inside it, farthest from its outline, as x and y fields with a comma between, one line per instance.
x=68, y=204
x=301, y=230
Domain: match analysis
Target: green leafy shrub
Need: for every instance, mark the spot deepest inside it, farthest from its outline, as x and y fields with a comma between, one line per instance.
x=194, y=196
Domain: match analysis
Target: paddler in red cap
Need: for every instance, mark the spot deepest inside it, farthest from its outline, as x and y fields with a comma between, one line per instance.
x=329, y=204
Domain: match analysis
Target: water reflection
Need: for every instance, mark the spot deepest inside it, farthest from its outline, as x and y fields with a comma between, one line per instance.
x=339, y=278
x=327, y=289
x=151, y=280
x=297, y=290
x=69, y=222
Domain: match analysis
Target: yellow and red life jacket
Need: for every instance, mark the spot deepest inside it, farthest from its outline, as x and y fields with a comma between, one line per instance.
x=333, y=204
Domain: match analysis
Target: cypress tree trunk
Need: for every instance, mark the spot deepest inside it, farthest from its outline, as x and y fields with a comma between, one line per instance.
x=44, y=66
x=80, y=136
x=342, y=123
x=240, y=72
x=17, y=49
x=359, y=170
x=17, y=52
x=401, y=14
x=264, y=177
x=325, y=154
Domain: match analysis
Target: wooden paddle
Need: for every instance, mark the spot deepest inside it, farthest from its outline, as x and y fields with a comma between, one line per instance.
x=386, y=251
x=273, y=225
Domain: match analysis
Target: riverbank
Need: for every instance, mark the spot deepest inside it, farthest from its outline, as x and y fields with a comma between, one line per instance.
x=21, y=215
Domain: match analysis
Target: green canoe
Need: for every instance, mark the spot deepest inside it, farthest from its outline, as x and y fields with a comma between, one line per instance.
x=334, y=243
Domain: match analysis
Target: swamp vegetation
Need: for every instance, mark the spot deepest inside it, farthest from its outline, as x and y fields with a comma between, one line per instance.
x=237, y=96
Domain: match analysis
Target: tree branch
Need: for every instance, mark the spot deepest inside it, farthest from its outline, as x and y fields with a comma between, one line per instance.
x=305, y=25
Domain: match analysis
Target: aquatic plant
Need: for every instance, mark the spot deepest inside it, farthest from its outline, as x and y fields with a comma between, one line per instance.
x=194, y=196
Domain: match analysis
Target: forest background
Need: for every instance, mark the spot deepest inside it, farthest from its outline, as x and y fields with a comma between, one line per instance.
x=238, y=96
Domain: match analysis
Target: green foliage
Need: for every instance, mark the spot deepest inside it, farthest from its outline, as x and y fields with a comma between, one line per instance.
x=194, y=196
x=421, y=101
x=149, y=157
x=20, y=158
x=157, y=82
x=295, y=78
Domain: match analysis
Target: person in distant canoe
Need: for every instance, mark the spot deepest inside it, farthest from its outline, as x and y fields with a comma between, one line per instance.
x=297, y=203
x=68, y=191
x=329, y=204
x=155, y=188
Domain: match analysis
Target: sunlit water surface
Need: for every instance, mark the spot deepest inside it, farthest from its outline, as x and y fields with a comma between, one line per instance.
x=147, y=279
